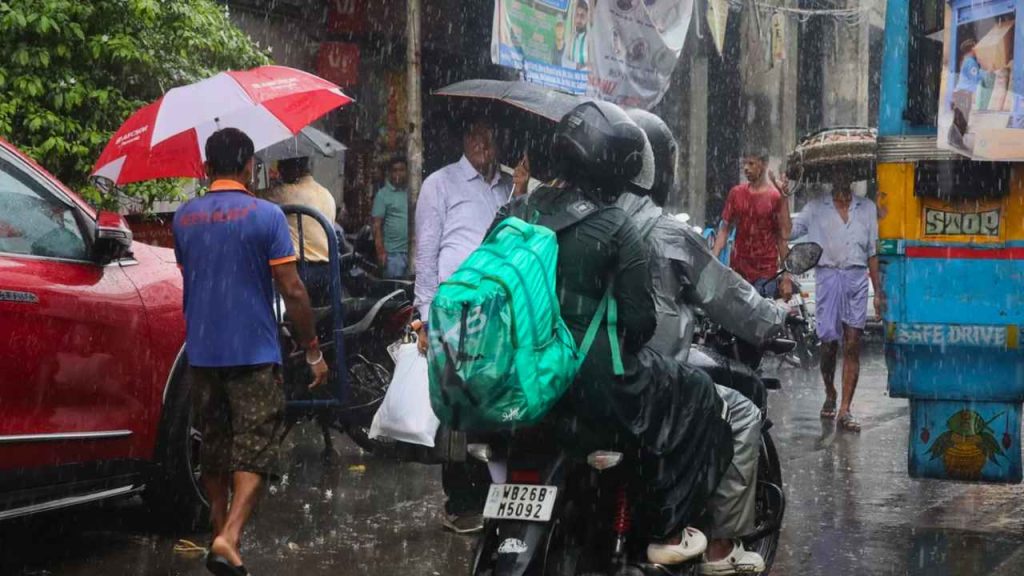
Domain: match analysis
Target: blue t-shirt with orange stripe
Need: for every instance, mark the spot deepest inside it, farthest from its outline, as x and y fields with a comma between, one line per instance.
x=226, y=243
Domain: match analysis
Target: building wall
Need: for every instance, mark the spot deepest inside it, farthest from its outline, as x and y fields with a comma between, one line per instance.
x=765, y=91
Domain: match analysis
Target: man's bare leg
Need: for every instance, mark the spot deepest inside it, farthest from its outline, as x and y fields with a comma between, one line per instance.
x=829, y=356
x=217, y=486
x=246, y=493
x=851, y=366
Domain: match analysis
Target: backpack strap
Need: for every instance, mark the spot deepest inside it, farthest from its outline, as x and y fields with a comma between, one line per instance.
x=609, y=309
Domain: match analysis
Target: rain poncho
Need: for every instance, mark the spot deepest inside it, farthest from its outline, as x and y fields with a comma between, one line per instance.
x=684, y=273
x=669, y=413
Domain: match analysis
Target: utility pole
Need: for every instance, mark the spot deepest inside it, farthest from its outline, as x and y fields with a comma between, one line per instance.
x=414, y=145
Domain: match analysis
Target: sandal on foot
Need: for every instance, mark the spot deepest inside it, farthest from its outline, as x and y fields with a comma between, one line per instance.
x=692, y=546
x=848, y=423
x=828, y=409
x=221, y=566
x=739, y=561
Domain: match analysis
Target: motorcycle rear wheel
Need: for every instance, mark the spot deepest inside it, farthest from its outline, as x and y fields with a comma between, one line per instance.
x=769, y=505
x=369, y=381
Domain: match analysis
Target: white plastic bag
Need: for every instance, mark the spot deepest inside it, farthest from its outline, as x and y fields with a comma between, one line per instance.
x=406, y=414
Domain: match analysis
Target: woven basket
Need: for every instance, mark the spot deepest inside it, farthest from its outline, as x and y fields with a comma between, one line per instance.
x=852, y=150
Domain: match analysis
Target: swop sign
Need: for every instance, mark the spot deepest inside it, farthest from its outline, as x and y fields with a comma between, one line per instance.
x=623, y=51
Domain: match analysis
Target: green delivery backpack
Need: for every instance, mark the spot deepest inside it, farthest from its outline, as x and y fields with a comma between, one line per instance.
x=500, y=355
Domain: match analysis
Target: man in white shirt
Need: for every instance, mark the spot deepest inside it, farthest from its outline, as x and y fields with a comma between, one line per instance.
x=846, y=227
x=455, y=208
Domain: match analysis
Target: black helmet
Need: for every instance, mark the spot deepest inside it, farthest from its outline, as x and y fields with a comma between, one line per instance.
x=597, y=144
x=664, y=148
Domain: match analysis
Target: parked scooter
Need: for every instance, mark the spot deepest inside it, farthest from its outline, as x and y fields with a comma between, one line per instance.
x=557, y=507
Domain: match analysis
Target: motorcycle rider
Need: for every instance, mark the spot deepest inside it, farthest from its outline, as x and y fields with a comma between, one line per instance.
x=665, y=411
x=684, y=274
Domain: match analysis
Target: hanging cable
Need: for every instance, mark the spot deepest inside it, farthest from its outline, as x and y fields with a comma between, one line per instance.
x=849, y=16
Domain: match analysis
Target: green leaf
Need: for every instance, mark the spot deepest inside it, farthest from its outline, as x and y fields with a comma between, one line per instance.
x=74, y=70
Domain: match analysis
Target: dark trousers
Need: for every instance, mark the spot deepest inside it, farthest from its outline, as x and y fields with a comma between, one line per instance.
x=465, y=485
x=317, y=278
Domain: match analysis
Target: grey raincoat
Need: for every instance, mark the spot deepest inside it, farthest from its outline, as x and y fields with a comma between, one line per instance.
x=684, y=273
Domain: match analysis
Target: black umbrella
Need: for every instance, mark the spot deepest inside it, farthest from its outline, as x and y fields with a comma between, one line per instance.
x=523, y=113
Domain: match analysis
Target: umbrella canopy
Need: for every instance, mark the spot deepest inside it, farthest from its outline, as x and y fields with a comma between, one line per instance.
x=308, y=142
x=538, y=100
x=524, y=114
x=166, y=139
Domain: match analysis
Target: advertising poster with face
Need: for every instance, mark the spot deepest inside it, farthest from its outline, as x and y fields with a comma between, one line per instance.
x=623, y=51
x=981, y=104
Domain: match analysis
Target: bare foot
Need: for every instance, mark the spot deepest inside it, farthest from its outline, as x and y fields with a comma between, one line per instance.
x=718, y=549
x=227, y=550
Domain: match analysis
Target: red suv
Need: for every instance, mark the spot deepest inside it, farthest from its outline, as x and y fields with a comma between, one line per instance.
x=93, y=399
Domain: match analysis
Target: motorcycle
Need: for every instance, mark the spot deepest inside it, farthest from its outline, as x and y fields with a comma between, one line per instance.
x=561, y=508
x=354, y=337
x=800, y=329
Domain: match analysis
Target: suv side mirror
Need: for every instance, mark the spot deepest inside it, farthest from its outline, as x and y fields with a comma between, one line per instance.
x=113, y=237
x=802, y=257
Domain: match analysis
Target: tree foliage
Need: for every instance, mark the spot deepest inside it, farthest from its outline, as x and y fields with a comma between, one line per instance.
x=74, y=70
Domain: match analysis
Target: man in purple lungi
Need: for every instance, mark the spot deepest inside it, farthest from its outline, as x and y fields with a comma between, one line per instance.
x=846, y=226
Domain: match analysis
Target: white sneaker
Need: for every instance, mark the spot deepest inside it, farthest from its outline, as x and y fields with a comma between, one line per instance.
x=739, y=561
x=693, y=545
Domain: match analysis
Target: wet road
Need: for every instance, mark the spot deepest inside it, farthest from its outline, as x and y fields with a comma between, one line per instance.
x=852, y=510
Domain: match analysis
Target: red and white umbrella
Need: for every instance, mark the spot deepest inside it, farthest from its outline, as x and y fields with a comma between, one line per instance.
x=166, y=139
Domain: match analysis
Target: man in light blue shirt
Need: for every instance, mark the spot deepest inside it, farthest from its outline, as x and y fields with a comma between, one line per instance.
x=846, y=227
x=455, y=208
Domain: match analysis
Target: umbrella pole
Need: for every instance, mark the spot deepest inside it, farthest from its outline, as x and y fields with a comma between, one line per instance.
x=415, y=113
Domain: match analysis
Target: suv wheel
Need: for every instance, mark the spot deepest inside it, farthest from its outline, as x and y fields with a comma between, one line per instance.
x=174, y=492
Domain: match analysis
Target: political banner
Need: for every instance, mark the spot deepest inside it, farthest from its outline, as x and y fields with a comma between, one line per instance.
x=981, y=102
x=623, y=51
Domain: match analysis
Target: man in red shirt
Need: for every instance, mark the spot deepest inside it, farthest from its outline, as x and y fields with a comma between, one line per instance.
x=759, y=213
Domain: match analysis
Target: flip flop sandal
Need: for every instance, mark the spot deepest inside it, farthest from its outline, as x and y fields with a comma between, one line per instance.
x=828, y=410
x=221, y=566
x=848, y=423
x=184, y=546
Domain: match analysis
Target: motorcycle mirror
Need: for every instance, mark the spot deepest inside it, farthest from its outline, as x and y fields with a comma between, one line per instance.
x=802, y=257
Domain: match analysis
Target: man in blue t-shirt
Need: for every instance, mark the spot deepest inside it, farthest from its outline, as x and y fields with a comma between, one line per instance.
x=232, y=249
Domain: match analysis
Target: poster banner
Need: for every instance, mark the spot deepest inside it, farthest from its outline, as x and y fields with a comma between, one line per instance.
x=618, y=50
x=981, y=102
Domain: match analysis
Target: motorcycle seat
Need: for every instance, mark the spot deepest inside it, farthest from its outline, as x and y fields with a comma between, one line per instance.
x=357, y=308
x=730, y=373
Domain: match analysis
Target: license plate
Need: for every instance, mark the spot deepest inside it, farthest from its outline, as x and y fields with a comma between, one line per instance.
x=520, y=502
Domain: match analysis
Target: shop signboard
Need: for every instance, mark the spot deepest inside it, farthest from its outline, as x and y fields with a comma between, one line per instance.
x=338, y=62
x=618, y=50
x=346, y=16
x=981, y=103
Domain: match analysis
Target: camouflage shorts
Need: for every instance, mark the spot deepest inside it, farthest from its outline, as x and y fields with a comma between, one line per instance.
x=240, y=413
